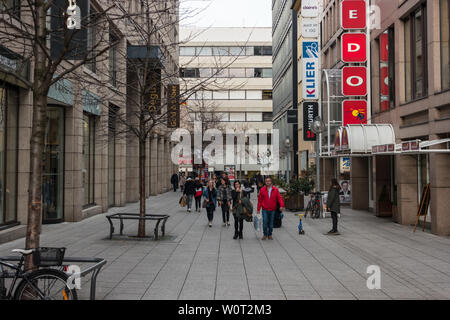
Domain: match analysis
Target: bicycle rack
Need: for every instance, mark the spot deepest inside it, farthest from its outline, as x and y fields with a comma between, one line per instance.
x=95, y=269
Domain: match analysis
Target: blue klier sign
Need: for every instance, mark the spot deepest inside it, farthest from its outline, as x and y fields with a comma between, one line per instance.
x=310, y=58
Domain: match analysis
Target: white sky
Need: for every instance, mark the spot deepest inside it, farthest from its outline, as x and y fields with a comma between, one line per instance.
x=226, y=13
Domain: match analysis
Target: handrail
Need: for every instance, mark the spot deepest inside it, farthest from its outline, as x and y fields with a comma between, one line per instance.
x=99, y=263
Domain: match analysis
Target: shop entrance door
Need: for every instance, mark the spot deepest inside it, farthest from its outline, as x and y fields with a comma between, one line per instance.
x=53, y=164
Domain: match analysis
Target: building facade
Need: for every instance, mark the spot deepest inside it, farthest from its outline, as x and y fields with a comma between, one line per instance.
x=87, y=167
x=227, y=73
x=409, y=91
x=285, y=84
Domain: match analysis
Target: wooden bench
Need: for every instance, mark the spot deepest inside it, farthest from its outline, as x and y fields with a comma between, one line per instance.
x=136, y=216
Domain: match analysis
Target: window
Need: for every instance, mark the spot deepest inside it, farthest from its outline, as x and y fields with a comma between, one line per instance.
x=237, y=73
x=220, y=73
x=88, y=158
x=204, y=51
x=222, y=116
x=267, y=116
x=92, y=41
x=267, y=51
x=237, y=94
x=203, y=95
x=187, y=51
x=415, y=55
x=237, y=116
x=254, y=94
x=220, y=51
x=205, y=73
x=250, y=51
x=190, y=73
x=236, y=51
x=263, y=51
x=387, y=69
x=258, y=72
x=267, y=73
x=445, y=39
x=267, y=94
x=254, y=116
x=113, y=60
x=249, y=72
x=220, y=95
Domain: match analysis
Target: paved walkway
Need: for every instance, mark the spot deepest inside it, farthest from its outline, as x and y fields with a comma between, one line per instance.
x=197, y=262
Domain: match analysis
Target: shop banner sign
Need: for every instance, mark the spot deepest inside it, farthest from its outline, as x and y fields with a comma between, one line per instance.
x=354, y=111
x=310, y=8
x=310, y=28
x=354, y=47
x=173, y=116
x=353, y=14
x=310, y=111
x=354, y=81
x=310, y=60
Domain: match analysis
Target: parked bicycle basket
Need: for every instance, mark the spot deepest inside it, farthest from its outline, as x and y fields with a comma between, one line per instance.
x=46, y=257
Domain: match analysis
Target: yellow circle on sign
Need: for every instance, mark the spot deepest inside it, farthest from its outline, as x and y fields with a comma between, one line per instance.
x=355, y=113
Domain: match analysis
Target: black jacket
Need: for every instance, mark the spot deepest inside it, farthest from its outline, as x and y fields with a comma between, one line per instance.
x=174, y=179
x=189, y=187
x=333, y=201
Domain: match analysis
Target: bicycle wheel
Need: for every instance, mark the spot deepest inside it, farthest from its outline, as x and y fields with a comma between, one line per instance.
x=50, y=282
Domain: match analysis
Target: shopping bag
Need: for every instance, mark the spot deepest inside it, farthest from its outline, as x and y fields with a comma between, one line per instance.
x=183, y=201
x=257, y=222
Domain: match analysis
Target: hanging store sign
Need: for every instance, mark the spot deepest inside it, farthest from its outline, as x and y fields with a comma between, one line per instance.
x=310, y=8
x=292, y=116
x=354, y=81
x=310, y=60
x=310, y=27
x=310, y=111
x=354, y=47
x=353, y=14
x=354, y=111
x=173, y=106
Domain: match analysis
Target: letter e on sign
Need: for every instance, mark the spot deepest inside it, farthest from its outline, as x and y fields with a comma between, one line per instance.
x=353, y=14
x=354, y=47
x=354, y=81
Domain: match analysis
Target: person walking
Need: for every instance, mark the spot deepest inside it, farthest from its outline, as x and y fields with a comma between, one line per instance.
x=198, y=194
x=268, y=199
x=174, y=181
x=182, y=181
x=224, y=199
x=210, y=195
x=189, y=191
x=238, y=212
x=334, y=205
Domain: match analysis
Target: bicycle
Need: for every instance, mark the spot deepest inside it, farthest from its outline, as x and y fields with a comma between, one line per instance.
x=40, y=284
x=314, y=205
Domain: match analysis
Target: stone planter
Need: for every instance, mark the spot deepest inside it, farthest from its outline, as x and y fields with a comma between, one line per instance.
x=294, y=202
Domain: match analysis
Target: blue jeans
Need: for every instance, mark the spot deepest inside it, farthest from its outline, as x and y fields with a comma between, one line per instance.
x=268, y=217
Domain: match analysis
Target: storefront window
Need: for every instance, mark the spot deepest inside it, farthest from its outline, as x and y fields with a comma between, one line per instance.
x=445, y=39
x=8, y=154
x=88, y=158
x=52, y=168
x=387, y=82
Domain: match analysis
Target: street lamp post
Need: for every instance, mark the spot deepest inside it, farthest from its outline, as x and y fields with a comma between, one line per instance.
x=318, y=127
x=287, y=144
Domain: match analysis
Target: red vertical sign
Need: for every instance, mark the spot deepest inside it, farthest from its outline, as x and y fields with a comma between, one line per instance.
x=353, y=14
x=354, y=112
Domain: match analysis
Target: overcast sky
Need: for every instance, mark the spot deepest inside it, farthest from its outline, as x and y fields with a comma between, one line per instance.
x=226, y=13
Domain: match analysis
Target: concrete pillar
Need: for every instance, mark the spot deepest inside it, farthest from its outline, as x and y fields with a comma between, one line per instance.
x=161, y=157
x=147, y=168
x=327, y=172
x=153, y=165
x=440, y=190
x=406, y=177
x=359, y=176
x=167, y=166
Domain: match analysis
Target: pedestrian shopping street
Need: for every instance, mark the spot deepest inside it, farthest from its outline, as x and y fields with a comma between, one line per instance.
x=196, y=262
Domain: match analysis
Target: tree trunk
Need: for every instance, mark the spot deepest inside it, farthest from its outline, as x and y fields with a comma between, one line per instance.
x=141, y=229
x=40, y=91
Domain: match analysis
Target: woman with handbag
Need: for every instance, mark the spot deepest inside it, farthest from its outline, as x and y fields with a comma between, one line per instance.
x=224, y=198
x=198, y=194
x=210, y=202
x=238, y=210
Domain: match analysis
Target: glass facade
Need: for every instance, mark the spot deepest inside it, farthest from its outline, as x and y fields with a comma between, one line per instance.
x=387, y=70
x=226, y=73
x=88, y=158
x=9, y=101
x=226, y=51
x=53, y=166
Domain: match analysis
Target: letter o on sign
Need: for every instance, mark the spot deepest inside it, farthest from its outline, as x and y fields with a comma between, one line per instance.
x=354, y=81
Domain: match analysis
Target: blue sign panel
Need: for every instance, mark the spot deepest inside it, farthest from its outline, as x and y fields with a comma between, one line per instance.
x=310, y=49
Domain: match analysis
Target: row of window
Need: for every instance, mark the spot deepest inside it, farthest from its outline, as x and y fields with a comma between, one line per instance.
x=226, y=73
x=233, y=95
x=231, y=116
x=226, y=51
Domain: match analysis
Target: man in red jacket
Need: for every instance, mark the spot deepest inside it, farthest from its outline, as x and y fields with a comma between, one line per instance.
x=268, y=198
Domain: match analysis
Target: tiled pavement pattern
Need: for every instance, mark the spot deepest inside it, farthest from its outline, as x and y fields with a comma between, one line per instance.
x=197, y=262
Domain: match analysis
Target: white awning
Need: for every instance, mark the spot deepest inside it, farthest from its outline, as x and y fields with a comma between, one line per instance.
x=360, y=138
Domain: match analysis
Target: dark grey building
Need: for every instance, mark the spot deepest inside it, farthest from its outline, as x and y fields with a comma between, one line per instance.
x=284, y=38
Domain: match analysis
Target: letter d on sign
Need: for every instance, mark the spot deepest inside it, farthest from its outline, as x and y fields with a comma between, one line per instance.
x=374, y=280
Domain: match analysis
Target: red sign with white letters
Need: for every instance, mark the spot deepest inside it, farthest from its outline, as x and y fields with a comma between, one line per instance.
x=354, y=48
x=354, y=111
x=354, y=81
x=353, y=14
